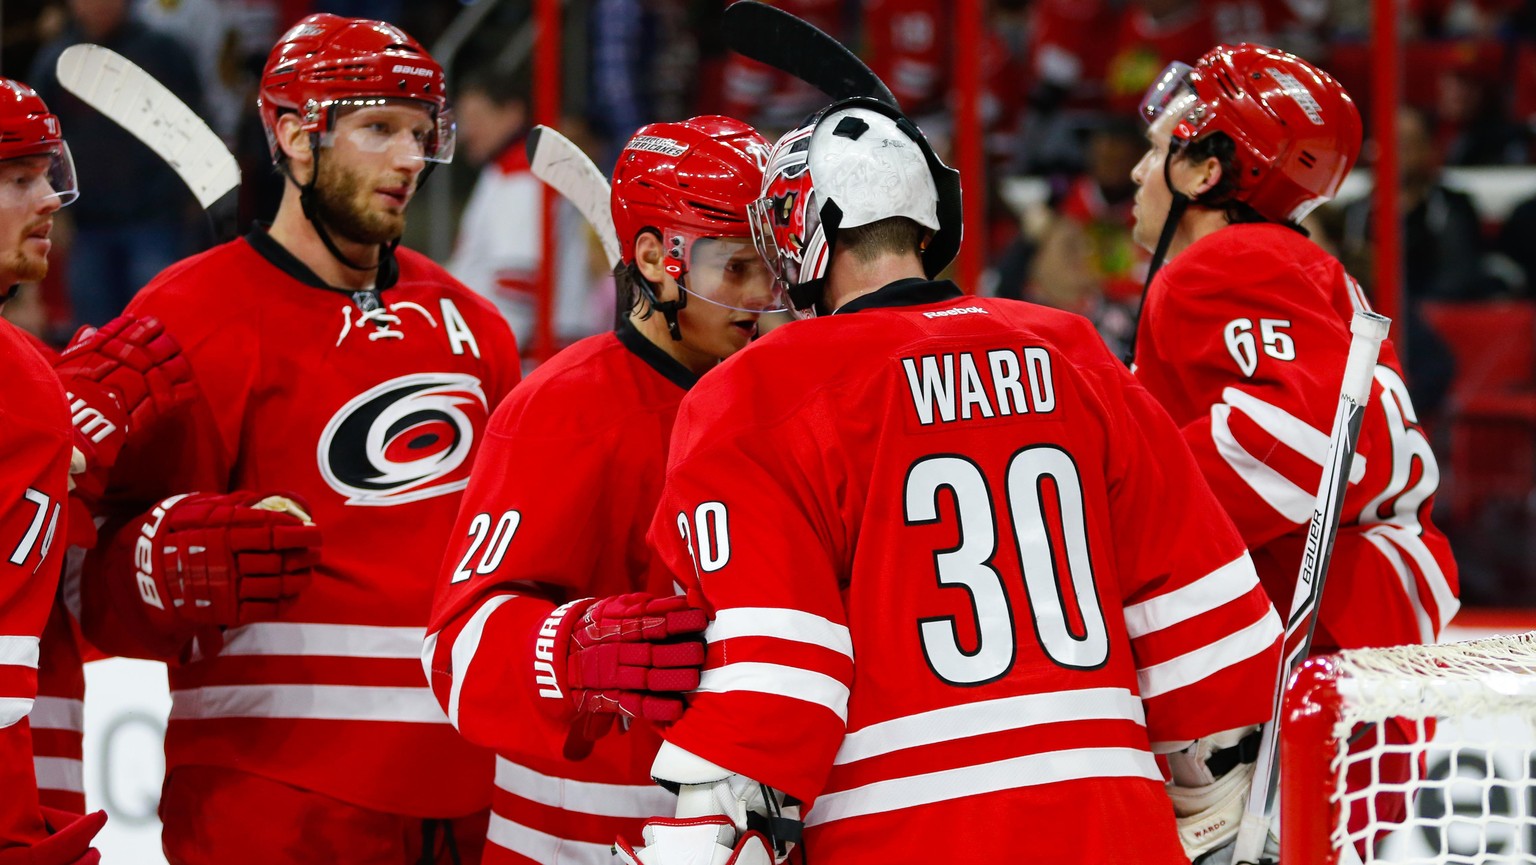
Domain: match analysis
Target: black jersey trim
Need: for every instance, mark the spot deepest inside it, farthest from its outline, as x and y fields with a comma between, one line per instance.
x=903, y=292
x=667, y=366
x=279, y=257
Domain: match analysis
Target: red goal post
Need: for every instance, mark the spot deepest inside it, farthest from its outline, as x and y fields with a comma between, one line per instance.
x=1470, y=794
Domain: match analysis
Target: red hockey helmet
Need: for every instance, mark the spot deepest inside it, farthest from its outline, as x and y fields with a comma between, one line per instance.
x=27, y=128
x=689, y=181
x=1296, y=129
x=328, y=62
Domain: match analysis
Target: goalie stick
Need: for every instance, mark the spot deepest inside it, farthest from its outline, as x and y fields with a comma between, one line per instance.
x=1368, y=329
x=134, y=100
x=790, y=44
x=557, y=161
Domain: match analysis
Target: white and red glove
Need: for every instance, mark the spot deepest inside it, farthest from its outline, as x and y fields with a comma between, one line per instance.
x=694, y=841
x=205, y=559
x=70, y=843
x=629, y=655
x=127, y=373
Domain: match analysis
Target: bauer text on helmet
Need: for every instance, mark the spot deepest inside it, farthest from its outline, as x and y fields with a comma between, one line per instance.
x=1297, y=131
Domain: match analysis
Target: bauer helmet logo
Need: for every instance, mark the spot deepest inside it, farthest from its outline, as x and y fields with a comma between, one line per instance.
x=405, y=440
x=1298, y=91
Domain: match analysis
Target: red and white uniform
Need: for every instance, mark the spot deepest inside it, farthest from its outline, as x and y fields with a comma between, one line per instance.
x=1243, y=340
x=34, y=469
x=961, y=569
x=373, y=419
x=576, y=455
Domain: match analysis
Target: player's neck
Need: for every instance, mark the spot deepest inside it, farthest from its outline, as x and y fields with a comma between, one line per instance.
x=655, y=330
x=297, y=234
x=850, y=277
x=1198, y=223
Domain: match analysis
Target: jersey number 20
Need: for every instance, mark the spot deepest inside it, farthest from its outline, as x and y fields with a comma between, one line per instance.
x=969, y=565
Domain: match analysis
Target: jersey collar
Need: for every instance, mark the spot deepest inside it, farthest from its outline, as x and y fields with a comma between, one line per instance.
x=280, y=258
x=665, y=364
x=903, y=292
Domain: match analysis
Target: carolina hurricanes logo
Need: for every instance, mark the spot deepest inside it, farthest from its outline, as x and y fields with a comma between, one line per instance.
x=405, y=440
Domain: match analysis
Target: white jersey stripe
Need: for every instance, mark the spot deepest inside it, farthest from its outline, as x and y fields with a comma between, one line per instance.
x=545, y=848
x=1221, y=586
x=311, y=702
x=1211, y=658
x=1291, y=501
x=780, y=680
x=782, y=624
x=18, y=652
x=313, y=639
x=464, y=648
x=59, y=773
x=953, y=723
x=57, y=713
x=1031, y=770
x=1288, y=429
x=13, y=709
x=587, y=797
x=1411, y=541
x=1409, y=583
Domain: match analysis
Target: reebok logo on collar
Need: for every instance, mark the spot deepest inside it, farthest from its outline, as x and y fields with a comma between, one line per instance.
x=959, y=310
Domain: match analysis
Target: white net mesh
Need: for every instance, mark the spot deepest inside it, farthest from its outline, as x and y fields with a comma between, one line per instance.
x=1437, y=745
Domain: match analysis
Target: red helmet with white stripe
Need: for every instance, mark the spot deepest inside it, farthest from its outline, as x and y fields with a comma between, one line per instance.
x=1296, y=129
x=328, y=61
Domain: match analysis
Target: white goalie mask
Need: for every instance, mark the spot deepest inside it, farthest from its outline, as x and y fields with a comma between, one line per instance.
x=856, y=163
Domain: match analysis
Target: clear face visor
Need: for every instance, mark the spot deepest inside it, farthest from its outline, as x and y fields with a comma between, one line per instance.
x=392, y=125
x=30, y=181
x=1172, y=96
x=725, y=271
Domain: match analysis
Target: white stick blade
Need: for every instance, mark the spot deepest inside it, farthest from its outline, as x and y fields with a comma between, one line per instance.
x=134, y=100
x=557, y=161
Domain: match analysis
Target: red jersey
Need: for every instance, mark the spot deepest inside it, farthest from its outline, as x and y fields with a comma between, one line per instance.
x=557, y=509
x=1243, y=339
x=34, y=468
x=961, y=568
x=369, y=407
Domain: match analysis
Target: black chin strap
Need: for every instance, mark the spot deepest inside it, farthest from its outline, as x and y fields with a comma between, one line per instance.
x=1176, y=209
x=309, y=201
x=9, y=293
x=667, y=308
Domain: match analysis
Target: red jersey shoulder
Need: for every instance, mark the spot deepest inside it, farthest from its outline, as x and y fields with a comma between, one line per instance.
x=585, y=387
x=417, y=268
x=206, y=274
x=1249, y=255
x=33, y=394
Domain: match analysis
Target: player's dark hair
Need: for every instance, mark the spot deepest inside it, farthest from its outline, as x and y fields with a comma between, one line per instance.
x=1221, y=147
x=895, y=235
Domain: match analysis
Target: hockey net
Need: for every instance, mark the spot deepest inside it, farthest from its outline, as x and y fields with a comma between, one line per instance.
x=1413, y=754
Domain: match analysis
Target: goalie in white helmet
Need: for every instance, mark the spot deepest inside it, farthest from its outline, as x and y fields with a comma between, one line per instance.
x=955, y=557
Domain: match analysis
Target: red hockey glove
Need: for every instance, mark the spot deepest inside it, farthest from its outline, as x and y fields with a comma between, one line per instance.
x=206, y=559
x=632, y=655
x=127, y=373
x=692, y=840
x=70, y=843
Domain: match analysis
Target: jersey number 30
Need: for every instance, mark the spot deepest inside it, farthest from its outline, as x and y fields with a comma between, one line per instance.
x=969, y=565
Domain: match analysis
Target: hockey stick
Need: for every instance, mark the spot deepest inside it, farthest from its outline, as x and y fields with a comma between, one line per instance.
x=134, y=100
x=1368, y=329
x=787, y=43
x=557, y=161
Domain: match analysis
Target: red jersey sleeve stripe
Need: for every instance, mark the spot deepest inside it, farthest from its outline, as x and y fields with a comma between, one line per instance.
x=465, y=645
x=1288, y=429
x=1227, y=583
x=1229, y=651
x=781, y=681
x=779, y=623
x=966, y=720
x=586, y=797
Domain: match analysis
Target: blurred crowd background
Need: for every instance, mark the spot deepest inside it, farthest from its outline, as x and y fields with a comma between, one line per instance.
x=1061, y=80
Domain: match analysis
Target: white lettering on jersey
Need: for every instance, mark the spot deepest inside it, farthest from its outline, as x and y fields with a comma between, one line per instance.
x=459, y=334
x=931, y=381
x=959, y=310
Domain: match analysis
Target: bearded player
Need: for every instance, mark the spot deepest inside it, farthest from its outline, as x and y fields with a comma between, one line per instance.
x=355, y=377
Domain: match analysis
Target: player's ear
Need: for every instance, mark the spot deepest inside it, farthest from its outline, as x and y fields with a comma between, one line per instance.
x=649, y=258
x=1207, y=175
x=292, y=139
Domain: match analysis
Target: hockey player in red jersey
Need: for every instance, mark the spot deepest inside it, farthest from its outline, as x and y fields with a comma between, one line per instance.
x=36, y=179
x=1243, y=338
x=559, y=503
x=355, y=378
x=960, y=566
